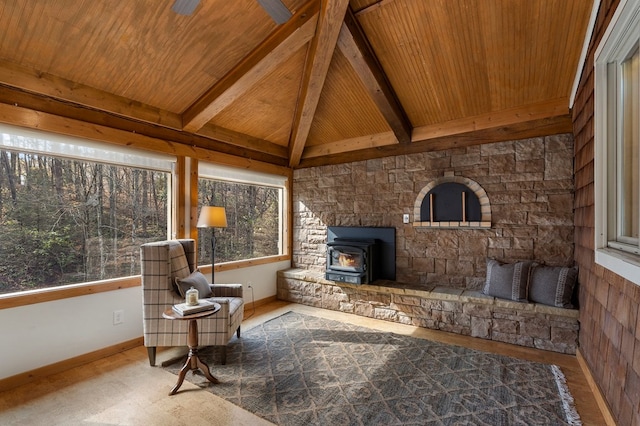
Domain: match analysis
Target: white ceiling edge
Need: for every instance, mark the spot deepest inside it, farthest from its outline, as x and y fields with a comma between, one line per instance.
x=585, y=49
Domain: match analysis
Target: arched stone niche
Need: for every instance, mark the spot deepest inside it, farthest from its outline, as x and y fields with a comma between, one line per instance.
x=452, y=202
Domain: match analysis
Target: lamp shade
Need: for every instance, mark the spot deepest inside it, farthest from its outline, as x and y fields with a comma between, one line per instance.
x=212, y=217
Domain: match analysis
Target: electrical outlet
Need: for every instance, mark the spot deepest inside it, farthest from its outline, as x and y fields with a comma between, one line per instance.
x=405, y=218
x=118, y=317
x=249, y=284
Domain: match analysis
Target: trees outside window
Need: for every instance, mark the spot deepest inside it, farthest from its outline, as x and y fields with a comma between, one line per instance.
x=76, y=211
x=66, y=221
x=253, y=221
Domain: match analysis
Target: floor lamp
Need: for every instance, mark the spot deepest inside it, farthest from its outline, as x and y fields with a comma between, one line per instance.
x=212, y=217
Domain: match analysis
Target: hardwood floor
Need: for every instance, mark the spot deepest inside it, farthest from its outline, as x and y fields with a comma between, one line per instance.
x=124, y=390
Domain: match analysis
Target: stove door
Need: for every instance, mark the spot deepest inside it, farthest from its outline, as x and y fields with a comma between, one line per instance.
x=346, y=258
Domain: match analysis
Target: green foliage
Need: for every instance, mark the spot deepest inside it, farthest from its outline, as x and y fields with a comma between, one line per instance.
x=253, y=221
x=37, y=258
x=68, y=221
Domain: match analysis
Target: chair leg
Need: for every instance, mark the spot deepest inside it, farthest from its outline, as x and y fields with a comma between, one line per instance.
x=238, y=332
x=223, y=355
x=151, y=351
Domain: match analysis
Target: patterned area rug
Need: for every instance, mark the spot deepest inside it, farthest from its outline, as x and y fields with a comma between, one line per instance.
x=300, y=370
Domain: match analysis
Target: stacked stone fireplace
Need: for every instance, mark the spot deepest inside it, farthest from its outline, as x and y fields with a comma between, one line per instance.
x=525, y=192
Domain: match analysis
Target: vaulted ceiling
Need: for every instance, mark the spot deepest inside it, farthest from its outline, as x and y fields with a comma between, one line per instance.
x=341, y=80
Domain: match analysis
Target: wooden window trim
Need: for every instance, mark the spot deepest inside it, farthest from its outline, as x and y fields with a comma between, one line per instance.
x=31, y=297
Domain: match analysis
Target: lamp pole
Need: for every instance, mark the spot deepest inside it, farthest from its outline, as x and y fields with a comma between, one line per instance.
x=212, y=217
x=213, y=248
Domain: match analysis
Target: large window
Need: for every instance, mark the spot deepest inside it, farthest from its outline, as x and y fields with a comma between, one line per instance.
x=628, y=180
x=73, y=211
x=253, y=203
x=617, y=142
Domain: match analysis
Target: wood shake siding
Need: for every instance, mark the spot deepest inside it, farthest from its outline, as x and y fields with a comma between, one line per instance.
x=609, y=340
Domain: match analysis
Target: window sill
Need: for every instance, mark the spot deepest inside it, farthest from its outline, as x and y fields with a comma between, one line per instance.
x=23, y=298
x=229, y=266
x=624, y=264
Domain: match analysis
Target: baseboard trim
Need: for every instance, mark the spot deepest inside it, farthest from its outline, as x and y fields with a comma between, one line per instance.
x=595, y=389
x=67, y=364
x=59, y=367
x=253, y=305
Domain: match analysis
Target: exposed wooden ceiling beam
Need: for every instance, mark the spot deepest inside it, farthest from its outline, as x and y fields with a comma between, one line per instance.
x=525, y=113
x=42, y=83
x=356, y=48
x=374, y=6
x=54, y=87
x=62, y=125
x=332, y=14
x=463, y=132
x=242, y=140
x=46, y=104
x=273, y=51
x=521, y=130
x=353, y=144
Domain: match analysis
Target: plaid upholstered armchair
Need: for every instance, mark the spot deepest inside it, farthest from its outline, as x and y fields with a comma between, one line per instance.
x=163, y=262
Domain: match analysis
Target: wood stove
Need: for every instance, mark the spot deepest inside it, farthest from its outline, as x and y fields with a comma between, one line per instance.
x=352, y=261
x=360, y=254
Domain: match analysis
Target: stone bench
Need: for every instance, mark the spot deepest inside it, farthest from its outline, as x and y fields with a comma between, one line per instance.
x=458, y=311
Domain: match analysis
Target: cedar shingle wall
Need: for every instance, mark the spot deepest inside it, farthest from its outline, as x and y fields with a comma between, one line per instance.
x=609, y=341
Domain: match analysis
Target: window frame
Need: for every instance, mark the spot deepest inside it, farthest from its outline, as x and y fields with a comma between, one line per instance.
x=227, y=173
x=619, y=41
x=51, y=144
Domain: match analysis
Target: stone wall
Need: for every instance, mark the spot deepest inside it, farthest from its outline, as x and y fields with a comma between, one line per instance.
x=529, y=184
x=465, y=312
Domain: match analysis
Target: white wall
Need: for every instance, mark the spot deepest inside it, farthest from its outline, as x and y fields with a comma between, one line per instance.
x=45, y=333
x=34, y=336
x=262, y=278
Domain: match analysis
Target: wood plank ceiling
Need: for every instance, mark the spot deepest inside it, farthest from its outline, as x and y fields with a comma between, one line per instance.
x=340, y=81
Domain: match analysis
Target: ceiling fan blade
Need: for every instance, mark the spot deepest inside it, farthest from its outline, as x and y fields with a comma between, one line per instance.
x=185, y=7
x=277, y=10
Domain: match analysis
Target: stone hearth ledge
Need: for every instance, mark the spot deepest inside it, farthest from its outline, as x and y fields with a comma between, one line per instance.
x=466, y=312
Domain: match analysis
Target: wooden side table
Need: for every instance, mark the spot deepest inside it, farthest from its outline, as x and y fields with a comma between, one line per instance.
x=193, y=362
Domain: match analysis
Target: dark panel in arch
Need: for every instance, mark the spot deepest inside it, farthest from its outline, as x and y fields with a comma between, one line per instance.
x=447, y=204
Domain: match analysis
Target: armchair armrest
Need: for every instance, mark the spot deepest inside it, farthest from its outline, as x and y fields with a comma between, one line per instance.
x=227, y=290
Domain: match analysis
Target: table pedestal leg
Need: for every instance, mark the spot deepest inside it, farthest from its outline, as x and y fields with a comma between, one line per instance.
x=193, y=362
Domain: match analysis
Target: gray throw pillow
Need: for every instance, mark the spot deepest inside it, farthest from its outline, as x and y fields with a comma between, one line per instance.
x=553, y=285
x=197, y=281
x=507, y=280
